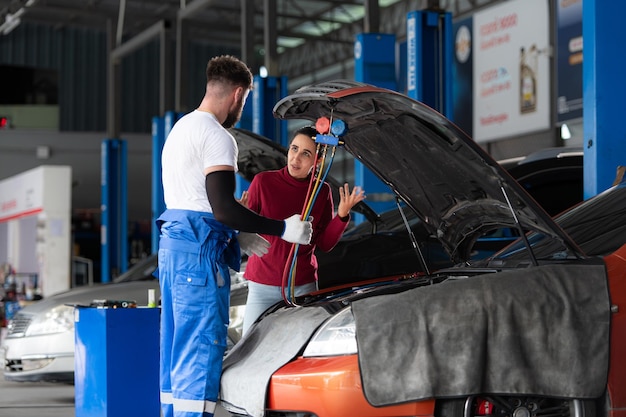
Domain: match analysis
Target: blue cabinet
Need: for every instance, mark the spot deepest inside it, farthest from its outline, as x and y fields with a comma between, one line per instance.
x=116, y=362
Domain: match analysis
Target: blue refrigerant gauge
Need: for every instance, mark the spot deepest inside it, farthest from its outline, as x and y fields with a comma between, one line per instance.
x=338, y=127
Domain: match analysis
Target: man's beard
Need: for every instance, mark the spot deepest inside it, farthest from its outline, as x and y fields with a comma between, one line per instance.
x=233, y=116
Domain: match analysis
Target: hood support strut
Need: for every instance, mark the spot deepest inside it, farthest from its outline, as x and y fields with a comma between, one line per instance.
x=416, y=247
x=519, y=227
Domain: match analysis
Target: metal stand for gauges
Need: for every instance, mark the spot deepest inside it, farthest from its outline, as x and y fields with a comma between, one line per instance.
x=116, y=362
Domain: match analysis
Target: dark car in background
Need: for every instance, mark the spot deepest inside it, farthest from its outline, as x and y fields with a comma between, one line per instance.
x=382, y=246
x=552, y=176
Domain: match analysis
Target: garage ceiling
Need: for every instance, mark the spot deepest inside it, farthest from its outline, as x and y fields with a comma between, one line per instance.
x=217, y=21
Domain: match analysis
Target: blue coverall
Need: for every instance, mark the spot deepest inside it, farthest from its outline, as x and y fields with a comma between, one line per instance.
x=195, y=253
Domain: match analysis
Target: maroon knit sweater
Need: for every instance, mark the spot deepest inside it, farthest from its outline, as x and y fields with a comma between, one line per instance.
x=278, y=195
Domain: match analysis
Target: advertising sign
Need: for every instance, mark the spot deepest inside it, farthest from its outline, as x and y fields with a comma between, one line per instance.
x=511, y=70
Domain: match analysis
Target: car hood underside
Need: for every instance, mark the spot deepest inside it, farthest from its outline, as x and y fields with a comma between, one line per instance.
x=457, y=189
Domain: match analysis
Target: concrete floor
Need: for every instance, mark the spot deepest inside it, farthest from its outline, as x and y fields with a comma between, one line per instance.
x=31, y=399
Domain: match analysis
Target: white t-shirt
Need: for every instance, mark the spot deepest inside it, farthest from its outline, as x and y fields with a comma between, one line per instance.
x=197, y=141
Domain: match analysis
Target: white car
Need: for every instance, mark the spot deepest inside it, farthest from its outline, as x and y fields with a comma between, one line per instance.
x=39, y=345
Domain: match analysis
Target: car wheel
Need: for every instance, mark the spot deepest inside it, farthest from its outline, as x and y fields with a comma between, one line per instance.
x=515, y=406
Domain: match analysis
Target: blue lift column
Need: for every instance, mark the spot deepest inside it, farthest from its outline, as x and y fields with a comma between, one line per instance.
x=604, y=141
x=114, y=233
x=267, y=91
x=374, y=63
x=161, y=127
x=429, y=59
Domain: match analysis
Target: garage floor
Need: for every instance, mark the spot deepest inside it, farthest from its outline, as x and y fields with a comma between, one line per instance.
x=42, y=400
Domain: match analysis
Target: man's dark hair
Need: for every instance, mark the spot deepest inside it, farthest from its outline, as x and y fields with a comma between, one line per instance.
x=229, y=69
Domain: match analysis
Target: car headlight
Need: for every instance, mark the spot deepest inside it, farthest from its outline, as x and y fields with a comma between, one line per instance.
x=56, y=320
x=336, y=337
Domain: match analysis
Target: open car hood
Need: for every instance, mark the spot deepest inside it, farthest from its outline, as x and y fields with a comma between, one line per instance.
x=258, y=153
x=455, y=187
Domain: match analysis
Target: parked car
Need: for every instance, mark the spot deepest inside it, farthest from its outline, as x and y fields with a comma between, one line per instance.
x=39, y=345
x=40, y=341
x=381, y=245
x=552, y=176
x=533, y=330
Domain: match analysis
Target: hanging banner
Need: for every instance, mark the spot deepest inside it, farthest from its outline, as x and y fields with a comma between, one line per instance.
x=511, y=70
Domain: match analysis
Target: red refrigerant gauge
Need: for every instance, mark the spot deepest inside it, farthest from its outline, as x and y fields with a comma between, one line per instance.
x=323, y=125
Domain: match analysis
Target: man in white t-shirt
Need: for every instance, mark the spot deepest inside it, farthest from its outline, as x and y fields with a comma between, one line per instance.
x=202, y=231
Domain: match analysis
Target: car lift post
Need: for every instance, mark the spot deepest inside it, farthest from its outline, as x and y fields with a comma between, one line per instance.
x=114, y=231
x=603, y=94
x=374, y=63
x=161, y=127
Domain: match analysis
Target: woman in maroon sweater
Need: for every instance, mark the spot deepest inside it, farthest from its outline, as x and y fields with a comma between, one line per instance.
x=278, y=195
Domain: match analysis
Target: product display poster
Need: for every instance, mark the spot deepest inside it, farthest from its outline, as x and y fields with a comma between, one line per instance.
x=511, y=70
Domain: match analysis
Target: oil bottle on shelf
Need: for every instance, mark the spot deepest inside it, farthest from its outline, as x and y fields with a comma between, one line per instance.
x=528, y=80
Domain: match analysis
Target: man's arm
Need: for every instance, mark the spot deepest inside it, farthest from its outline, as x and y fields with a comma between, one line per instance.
x=220, y=188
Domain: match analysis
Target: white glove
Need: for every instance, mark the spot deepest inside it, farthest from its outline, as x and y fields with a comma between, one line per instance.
x=298, y=231
x=253, y=244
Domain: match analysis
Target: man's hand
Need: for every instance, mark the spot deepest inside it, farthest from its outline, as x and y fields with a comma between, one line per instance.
x=298, y=231
x=253, y=244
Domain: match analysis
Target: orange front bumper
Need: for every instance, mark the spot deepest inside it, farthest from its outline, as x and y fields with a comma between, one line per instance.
x=331, y=387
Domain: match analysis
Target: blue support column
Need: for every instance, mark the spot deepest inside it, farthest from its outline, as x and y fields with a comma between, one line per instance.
x=429, y=59
x=604, y=139
x=375, y=59
x=114, y=208
x=267, y=91
x=374, y=63
x=161, y=127
x=158, y=203
x=246, y=115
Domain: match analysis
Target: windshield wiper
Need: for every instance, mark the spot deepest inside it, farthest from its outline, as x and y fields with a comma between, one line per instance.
x=416, y=247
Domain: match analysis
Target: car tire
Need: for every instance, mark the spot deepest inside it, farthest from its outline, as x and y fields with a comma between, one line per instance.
x=515, y=406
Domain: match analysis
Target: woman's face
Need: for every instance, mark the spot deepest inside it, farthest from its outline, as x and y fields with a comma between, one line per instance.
x=301, y=156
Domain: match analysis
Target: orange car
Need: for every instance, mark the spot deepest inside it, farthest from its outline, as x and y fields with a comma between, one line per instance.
x=331, y=386
x=532, y=331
